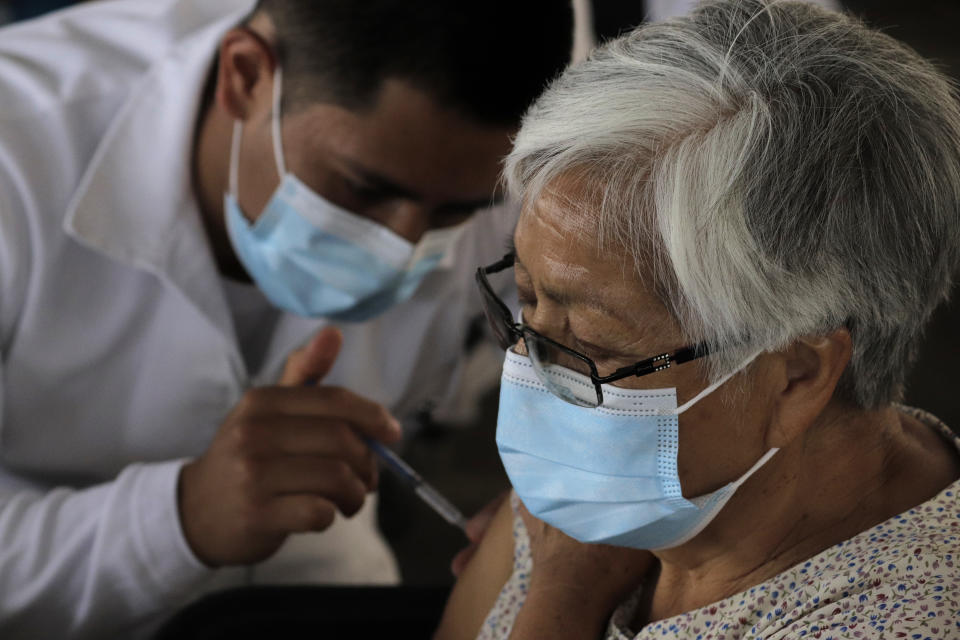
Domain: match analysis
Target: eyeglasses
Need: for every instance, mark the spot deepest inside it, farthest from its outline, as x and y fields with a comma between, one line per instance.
x=568, y=374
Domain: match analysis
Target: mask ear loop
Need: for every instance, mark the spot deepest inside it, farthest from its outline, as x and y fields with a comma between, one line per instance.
x=713, y=387
x=762, y=461
x=702, y=501
x=276, y=131
x=234, y=172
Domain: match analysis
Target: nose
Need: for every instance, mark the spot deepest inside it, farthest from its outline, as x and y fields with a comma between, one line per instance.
x=409, y=220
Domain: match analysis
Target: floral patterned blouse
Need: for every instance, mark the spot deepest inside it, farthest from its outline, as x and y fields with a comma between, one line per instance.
x=899, y=579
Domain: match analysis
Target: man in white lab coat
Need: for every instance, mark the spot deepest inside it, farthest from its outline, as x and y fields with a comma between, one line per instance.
x=190, y=190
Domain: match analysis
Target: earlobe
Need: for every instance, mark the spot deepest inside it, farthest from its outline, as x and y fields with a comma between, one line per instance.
x=244, y=74
x=811, y=369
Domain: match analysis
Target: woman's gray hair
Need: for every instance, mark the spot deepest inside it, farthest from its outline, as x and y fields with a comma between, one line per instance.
x=781, y=170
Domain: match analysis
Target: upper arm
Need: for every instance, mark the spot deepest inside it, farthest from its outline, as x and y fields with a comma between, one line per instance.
x=479, y=585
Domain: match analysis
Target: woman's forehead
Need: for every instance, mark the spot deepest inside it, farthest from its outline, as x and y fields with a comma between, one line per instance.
x=559, y=251
x=558, y=240
x=560, y=223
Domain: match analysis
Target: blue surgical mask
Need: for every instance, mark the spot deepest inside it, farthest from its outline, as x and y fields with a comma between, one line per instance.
x=313, y=258
x=605, y=475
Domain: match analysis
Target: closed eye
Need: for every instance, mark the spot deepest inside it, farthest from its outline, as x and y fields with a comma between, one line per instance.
x=596, y=353
x=527, y=301
x=367, y=193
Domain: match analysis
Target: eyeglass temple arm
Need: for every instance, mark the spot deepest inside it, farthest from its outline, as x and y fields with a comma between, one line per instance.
x=501, y=264
x=690, y=353
x=662, y=361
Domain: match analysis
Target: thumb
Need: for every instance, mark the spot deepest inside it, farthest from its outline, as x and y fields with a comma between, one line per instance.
x=313, y=361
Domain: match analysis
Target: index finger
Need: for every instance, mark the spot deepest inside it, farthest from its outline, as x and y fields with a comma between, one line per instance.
x=366, y=416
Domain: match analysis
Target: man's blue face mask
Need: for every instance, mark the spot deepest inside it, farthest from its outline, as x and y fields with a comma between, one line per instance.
x=313, y=258
x=607, y=474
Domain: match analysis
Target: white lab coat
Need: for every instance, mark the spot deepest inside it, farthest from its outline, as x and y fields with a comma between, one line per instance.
x=118, y=358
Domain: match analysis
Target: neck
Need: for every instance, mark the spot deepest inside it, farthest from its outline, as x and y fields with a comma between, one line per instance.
x=849, y=472
x=211, y=161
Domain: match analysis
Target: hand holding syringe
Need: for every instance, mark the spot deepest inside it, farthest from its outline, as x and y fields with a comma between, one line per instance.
x=391, y=460
x=287, y=459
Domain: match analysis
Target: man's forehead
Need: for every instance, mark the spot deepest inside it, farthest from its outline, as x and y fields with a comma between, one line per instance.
x=428, y=152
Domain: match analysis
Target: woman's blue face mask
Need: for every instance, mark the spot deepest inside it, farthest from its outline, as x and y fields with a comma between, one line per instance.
x=607, y=474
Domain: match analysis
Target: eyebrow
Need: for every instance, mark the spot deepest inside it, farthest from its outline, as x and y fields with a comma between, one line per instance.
x=393, y=189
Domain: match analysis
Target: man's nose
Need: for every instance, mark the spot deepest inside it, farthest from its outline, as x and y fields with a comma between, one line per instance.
x=409, y=220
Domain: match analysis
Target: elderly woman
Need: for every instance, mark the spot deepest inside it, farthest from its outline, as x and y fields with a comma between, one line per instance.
x=766, y=195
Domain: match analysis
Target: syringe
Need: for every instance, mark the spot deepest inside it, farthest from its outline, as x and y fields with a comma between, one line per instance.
x=427, y=493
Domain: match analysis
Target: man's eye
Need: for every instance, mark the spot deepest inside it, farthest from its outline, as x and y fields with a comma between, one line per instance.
x=449, y=218
x=365, y=192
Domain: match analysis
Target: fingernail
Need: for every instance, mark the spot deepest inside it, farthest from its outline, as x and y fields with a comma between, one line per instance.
x=395, y=425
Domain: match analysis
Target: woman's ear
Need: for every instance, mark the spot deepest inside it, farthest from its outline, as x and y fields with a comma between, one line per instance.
x=808, y=372
x=245, y=75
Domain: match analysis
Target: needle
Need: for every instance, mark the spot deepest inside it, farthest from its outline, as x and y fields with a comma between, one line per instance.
x=420, y=486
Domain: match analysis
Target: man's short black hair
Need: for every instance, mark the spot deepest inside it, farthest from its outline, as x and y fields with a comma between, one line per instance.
x=487, y=59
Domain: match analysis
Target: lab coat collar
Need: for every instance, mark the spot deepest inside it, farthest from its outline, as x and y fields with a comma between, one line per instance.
x=135, y=203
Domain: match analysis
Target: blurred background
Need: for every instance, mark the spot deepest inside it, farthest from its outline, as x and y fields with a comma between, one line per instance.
x=457, y=453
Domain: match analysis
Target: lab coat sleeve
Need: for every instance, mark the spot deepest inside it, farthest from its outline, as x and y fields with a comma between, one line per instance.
x=83, y=563
x=97, y=562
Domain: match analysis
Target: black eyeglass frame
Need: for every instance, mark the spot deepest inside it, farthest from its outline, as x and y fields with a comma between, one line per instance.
x=519, y=330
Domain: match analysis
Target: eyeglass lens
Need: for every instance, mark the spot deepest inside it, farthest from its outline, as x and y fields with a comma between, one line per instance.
x=498, y=316
x=564, y=375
